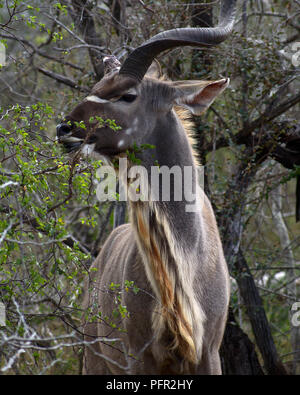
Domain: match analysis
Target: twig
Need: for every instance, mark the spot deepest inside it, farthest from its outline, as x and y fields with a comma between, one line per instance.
x=145, y=7
x=38, y=51
x=63, y=79
x=64, y=26
x=6, y=231
x=100, y=49
x=8, y=183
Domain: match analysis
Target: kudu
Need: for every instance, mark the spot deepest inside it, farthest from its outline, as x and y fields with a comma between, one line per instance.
x=176, y=321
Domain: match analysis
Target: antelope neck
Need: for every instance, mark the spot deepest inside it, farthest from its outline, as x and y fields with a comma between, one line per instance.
x=171, y=150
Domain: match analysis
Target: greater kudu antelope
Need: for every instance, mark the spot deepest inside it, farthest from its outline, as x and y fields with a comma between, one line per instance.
x=177, y=320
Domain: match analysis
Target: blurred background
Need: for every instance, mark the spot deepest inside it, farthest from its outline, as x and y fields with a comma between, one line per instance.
x=51, y=224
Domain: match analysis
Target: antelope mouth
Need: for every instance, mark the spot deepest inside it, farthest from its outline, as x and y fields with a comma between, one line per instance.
x=73, y=143
x=70, y=143
x=71, y=138
x=86, y=146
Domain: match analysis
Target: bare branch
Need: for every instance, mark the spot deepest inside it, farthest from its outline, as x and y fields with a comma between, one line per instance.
x=63, y=79
x=36, y=50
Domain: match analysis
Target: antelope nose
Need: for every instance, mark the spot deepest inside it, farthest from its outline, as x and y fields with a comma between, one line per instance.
x=62, y=129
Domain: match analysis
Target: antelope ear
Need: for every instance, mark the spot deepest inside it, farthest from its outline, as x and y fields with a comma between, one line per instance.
x=197, y=96
x=154, y=70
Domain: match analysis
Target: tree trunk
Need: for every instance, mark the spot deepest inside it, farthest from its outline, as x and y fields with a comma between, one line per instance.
x=119, y=214
x=81, y=13
x=119, y=211
x=232, y=226
x=258, y=318
x=289, y=261
x=238, y=355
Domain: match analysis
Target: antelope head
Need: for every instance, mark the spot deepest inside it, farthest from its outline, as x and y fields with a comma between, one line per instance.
x=132, y=96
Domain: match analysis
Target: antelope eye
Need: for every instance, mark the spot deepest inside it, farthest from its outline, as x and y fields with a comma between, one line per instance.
x=128, y=98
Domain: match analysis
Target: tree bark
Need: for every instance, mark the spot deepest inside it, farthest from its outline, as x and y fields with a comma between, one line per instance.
x=81, y=14
x=238, y=355
x=258, y=318
x=232, y=226
x=119, y=214
x=289, y=261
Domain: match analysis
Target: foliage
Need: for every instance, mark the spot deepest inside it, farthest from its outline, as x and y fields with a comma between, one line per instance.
x=42, y=264
x=51, y=224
